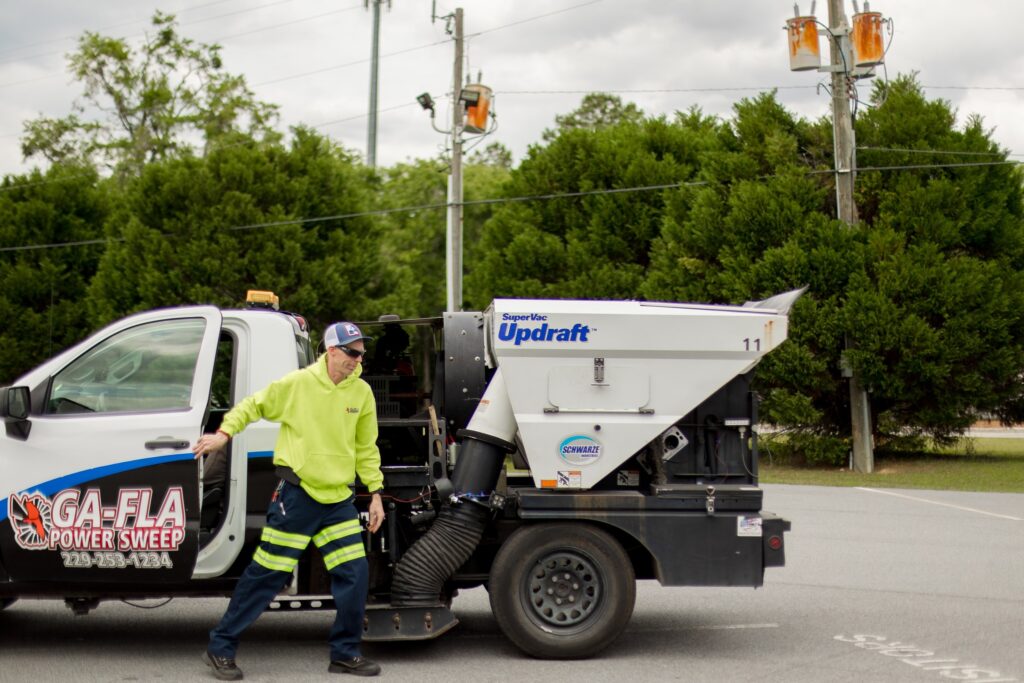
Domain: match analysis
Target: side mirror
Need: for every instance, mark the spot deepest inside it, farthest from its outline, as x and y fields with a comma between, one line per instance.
x=15, y=403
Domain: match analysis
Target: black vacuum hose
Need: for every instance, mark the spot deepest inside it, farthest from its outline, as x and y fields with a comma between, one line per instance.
x=455, y=534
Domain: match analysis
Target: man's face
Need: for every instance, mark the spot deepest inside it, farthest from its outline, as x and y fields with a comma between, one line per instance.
x=344, y=360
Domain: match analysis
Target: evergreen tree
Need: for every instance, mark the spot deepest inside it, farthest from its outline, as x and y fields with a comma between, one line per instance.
x=206, y=230
x=594, y=242
x=42, y=290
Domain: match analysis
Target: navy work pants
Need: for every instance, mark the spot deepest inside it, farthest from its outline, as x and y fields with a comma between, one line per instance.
x=293, y=520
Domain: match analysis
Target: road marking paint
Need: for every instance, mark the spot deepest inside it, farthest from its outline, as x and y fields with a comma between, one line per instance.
x=935, y=502
x=726, y=627
x=924, y=659
x=721, y=627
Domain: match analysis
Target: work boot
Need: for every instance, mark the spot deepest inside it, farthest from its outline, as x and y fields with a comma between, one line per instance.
x=358, y=666
x=224, y=668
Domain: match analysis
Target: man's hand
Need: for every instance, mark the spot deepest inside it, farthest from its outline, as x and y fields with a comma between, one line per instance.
x=376, y=513
x=210, y=443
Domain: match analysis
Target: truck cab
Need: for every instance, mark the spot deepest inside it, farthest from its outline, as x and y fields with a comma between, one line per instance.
x=100, y=485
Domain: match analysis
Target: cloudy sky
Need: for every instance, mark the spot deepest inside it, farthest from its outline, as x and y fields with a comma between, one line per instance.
x=311, y=57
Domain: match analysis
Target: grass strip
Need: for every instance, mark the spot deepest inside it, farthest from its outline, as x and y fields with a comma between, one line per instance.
x=973, y=464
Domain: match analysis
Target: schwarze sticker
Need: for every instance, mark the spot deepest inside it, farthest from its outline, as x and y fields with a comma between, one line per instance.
x=580, y=450
x=89, y=534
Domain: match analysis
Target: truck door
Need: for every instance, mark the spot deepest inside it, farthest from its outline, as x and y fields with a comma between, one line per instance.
x=105, y=489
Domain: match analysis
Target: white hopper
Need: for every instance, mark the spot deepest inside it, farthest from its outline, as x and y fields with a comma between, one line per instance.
x=592, y=382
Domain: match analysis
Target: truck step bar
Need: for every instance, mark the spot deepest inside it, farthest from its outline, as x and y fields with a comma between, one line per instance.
x=382, y=623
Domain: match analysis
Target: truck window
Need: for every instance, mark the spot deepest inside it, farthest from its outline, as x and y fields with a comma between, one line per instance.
x=304, y=351
x=221, y=393
x=149, y=367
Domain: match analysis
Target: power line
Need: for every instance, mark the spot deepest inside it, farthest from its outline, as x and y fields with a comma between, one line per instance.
x=525, y=198
x=913, y=167
x=102, y=28
x=336, y=66
x=137, y=35
x=81, y=243
x=421, y=47
x=355, y=117
x=11, y=84
x=475, y=202
x=533, y=18
x=18, y=186
x=347, y=64
x=935, y=151
x=926, y=151
x=730, y=88
x=286, y=23
x=974, y=87
x=657, y=90
x=232, y=14
x=382, y=212
x=48, y=76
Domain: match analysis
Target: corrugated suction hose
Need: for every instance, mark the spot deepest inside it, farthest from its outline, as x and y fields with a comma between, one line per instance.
x=421, y=572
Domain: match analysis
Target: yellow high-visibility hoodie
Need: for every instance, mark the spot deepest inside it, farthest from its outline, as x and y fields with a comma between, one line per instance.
x=328, y=431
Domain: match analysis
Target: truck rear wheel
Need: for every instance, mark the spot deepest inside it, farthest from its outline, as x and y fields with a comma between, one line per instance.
x=562, y=591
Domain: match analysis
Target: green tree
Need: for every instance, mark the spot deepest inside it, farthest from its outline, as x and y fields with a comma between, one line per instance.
x=495, y=155
x=415, y=239
x=938, y=325
x=42, y=290
x=206, y=230
x=595, y=242
x=146, y=104
x=597, y=110
x=756, y=227
x=925, y=290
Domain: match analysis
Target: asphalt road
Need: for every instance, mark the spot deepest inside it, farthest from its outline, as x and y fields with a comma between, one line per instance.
x=880, y=585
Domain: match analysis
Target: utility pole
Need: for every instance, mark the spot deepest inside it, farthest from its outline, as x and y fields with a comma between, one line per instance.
x=478, y=97
x=846, y=162
x=371, y=134
x=453, y=236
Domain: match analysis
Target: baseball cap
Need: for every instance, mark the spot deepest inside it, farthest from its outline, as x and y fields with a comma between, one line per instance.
x=343, y=334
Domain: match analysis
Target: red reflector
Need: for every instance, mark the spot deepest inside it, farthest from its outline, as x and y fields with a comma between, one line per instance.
x=775, y=542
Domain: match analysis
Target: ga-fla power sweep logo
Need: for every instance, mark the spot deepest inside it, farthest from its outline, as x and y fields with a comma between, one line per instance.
x=77, y=523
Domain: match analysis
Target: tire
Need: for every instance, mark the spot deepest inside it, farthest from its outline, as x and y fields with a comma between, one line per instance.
x=7, y=602
x=589, y=595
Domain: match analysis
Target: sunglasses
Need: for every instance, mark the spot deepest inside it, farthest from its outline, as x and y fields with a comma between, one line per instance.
x=351, y=353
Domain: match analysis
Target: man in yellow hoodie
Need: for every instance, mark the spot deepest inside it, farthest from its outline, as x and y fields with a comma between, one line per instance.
x=328, y=435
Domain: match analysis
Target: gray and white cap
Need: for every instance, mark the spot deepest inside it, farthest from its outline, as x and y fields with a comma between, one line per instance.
x=343, y=334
